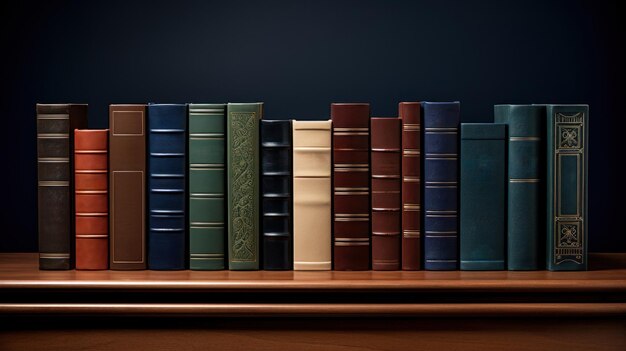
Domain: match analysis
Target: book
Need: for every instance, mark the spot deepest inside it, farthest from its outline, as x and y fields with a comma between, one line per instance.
x=386, y=144
x=441, y=125
x=167, y=165
x=242, y=164
x=311, y=195
x=276, y=194
x=351, y=186
x=411, y=116
x=567, y=190
x=92, y=198
x=55, y=184
x=483, y=196
x=207, y=182
x=127, y=187
x=526, y=184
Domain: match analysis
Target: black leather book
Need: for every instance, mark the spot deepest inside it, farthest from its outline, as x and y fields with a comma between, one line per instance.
x=276, y=210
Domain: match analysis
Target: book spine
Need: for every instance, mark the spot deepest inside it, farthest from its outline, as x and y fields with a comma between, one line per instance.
x=167, y=163
x=311, y=195
x=567, y=219
x=411, y=116
x=276, y=194
x=242, y=135
x=526, y=184
x=127, y=186
x=482, y=196
x=92, y=198
x=207, y=182
x=351, y=186
x=55, y=184
x=441, y=125
x=386, y=188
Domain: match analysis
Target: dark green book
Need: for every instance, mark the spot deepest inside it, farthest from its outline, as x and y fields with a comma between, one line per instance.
x=526, y=184
x=242, y=138
x=207, y=180
x=567, y=220
x=482, y=197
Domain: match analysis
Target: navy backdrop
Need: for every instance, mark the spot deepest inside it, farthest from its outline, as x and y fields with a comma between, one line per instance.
x=298, y=56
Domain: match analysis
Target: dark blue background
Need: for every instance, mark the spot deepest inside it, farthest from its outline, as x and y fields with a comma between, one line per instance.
x=299, y=56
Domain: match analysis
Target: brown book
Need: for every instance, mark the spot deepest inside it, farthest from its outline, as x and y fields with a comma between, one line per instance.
x=127, y=164
x=351, y=186
x=92, y=198
x=411, y=116
x=386, y=200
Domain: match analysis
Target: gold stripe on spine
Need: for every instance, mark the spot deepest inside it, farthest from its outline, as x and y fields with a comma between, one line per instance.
x=92, y=214
x=53, y=255
x=524, y=139
x=352, y=193
x=352, y=189
x=91, y=236
x=521, y=180
x=53, y=159
x=351, y=129
x=351, y=244
x=352, y=215
x=53, y=183
x=91, y=151
x=411, y=207
x=411, y=179
x=385, y=176
x=88, y=192
x=91, y=171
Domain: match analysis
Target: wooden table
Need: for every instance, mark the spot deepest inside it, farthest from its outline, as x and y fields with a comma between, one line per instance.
x=318, y=310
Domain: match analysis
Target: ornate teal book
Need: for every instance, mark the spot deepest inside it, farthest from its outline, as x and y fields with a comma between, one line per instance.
x=567, y=159
x=242, y=160
x=526, y=184
x=482, y=197
x=207, y=182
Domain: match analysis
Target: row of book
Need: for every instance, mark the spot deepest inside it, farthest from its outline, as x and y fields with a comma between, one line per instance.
x=216, y=186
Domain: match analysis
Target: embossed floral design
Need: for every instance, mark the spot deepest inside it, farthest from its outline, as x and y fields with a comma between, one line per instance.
x=569, y=137
x=569, y=236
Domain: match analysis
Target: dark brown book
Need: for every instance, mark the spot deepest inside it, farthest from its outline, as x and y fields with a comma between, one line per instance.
x=92, y=198
x=55, y=185
x=386, y=198
x=351, y=186
x=127, y=185
x=411, y=116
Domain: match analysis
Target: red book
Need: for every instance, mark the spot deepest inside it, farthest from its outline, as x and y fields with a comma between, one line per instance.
x=411, y=116
x=386, y=189
x=351, y=191
x=92, y=198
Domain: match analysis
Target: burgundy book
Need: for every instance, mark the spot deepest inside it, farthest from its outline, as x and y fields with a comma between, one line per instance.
x=351, y=186
x=386, y=199
x=411, y=116
x=92, y=198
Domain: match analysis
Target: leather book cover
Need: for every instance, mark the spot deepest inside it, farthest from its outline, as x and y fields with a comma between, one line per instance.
x=386, y=144
x=167, y=163
x=276, y=194
x=411, y=116
x=483, y=196
x=92, y=198
x=351, y=186
x=242, y=160
x=207, y=183
x=127, y=187
x=526, y=203
x=567, y=188
x=441, y=127
x=311, y=195
x=55, y=182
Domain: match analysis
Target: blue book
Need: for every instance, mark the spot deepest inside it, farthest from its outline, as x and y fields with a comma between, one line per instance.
x=441, y=126
x=167, y=125
x=483, y=196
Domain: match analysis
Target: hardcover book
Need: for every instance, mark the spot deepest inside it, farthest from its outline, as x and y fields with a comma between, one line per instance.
x=92, y=198
x=207, y=182
x=242, y=135
x=167, y=163
x=55, y=183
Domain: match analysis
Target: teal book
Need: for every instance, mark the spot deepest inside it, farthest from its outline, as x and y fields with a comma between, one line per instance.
x=567, y=188
x=242, y=164
x=207, y=183
x=526, y=184
x=483, y=196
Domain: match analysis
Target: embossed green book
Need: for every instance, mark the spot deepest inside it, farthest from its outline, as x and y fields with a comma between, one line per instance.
x=242, y=159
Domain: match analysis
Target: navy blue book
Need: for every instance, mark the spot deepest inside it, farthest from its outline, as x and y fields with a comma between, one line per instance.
x=441, y=127
x=276, y=203
x=167, y=125
x=483, y=196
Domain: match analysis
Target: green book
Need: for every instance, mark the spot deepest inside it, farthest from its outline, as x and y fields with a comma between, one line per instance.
x=567, y=156
x=207, y=181
x=242, y=137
